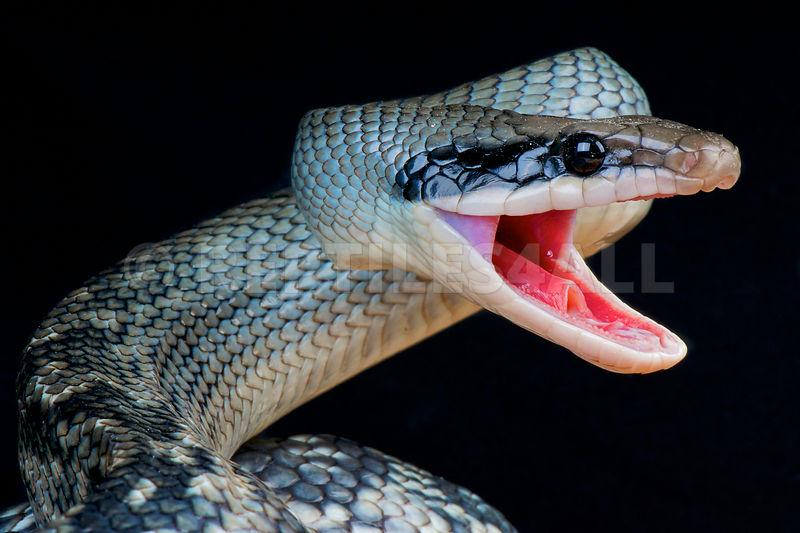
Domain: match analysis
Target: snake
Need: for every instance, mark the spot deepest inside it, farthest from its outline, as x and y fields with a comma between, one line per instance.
x=143, y=394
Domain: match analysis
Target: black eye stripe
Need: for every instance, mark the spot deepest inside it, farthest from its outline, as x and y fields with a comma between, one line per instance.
x=470, y=167
x=472, y=158
x=488, y=159
x=506, y=154
x=443, y=155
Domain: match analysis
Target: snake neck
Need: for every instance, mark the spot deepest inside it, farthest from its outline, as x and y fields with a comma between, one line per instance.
x=245, y=318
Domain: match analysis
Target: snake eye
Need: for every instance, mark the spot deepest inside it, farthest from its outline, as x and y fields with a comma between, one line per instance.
x=583, y=153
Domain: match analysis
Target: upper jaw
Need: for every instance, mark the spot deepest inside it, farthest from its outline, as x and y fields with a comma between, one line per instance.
x=646, y=159
x=708, y=170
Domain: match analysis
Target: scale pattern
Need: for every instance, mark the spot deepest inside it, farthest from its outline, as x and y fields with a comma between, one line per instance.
x=141, y=384
x=333, y=484
x=200, y=341
x=583, y=83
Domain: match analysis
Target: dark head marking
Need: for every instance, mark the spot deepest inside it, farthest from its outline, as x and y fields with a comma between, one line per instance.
x=462, y=167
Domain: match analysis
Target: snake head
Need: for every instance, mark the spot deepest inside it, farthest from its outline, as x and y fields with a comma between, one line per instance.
x=519, y=165
x=507, y=206
x=501, y=208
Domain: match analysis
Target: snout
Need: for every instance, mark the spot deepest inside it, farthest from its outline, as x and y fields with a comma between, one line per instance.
x=706, y=162
x=718, y=169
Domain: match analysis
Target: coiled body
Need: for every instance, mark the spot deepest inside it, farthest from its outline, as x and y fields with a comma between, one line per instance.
x=140, y=386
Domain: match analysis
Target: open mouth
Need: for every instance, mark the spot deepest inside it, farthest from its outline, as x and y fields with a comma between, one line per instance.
x=535, y=257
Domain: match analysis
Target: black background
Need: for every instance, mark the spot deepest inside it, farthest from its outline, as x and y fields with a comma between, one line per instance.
x=126, y=127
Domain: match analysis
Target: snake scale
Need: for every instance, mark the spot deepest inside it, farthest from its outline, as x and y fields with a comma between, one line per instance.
x=139, y=392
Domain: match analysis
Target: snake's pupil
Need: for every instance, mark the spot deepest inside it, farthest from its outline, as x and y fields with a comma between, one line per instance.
x=583, y=153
